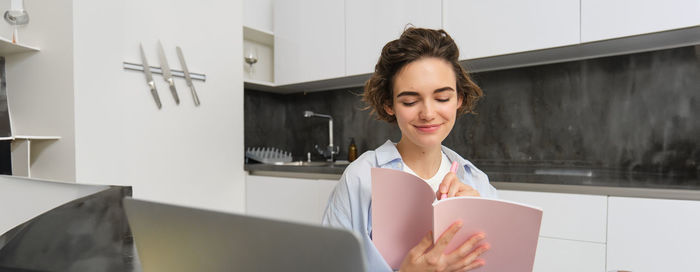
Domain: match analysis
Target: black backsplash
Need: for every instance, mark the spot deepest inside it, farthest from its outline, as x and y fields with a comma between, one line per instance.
x=631, y=112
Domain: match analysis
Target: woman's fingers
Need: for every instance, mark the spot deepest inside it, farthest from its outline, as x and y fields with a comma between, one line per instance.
x=451, y=187
x=445, y=239
x=466, y=190
x=473, y=265
x=471, y=257
x=446, y=184
x=421, y=247
x=423, y=258
x=455, y=185
x=465, y=253
x=463, y=250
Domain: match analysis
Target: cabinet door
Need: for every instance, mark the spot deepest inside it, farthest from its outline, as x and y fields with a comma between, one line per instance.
x=566, y=216
x=556, y=255
x=497, y=27
x=309, y=40
x=258, y=14
x=606, y=19
x=283, y=198
x=653, y=234
x=371, y=24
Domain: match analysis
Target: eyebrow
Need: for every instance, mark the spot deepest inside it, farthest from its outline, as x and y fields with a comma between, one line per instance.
x=443, y=89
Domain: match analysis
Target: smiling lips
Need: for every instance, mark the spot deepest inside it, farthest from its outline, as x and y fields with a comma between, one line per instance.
x=427, y=128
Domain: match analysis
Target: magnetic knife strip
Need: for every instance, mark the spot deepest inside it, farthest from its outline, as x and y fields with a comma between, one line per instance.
x=157, y=70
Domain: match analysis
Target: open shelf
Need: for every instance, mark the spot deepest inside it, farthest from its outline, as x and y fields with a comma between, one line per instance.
x=260, y=36
x=21, y=149
x=262, y=41
x=26, y=137
x=9, y=48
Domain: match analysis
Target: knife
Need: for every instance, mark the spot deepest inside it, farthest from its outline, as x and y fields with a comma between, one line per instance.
x=167, y=75
x=188, y=78
x=149, y=77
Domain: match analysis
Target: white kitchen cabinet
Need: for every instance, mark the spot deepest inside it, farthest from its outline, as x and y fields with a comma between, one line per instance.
x=556, y=255
x=309, y=40
x=498, y=27
x=369, y=25
x=607, y=19
x=257, y=14
x=653, y=234
x=566, y=216
x=573, y=230
x=290, y=199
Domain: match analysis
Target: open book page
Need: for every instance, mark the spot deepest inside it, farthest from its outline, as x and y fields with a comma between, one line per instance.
x=511, y=229
x=401, y=213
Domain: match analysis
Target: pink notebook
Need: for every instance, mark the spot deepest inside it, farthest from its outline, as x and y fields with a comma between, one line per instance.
x=403, y=212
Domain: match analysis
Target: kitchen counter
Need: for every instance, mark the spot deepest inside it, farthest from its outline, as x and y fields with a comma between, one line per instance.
x=539, y=179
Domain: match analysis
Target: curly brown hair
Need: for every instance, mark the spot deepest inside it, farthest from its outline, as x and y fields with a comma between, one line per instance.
x=416, y=43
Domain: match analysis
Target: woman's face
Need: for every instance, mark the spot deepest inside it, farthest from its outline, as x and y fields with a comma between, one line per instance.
x=425, y=101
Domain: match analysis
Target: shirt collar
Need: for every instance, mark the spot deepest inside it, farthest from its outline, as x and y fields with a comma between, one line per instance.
x=453, y=156
x=387, y=153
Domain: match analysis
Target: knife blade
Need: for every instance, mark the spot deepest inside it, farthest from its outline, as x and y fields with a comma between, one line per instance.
x=188, y=78
x=167, y=75
x=149, y=77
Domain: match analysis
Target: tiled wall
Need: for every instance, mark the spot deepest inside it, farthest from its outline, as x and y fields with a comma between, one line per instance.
x=634, y=112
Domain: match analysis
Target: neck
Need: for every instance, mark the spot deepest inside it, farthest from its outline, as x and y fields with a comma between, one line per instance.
x=424, y=161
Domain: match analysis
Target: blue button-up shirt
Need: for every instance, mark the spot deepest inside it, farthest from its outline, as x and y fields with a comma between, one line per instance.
x=349, y=206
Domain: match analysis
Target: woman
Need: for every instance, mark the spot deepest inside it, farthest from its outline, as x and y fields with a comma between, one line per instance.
x=419, y=85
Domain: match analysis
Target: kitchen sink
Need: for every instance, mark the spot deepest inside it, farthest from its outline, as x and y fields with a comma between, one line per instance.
x=304, y=163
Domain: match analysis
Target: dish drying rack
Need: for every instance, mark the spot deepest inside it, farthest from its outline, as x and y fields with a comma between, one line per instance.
x=268, y=155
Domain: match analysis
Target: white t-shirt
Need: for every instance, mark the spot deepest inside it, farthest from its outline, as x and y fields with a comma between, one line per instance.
x=434, y=181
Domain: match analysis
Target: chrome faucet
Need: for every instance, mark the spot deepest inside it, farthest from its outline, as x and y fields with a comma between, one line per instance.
x=330, y=151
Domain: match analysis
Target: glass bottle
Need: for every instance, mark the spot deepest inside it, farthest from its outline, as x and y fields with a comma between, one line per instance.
x=352, y=150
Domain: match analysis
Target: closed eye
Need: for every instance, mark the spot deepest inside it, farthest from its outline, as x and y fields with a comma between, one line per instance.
x=408, y=104
x=443, y=100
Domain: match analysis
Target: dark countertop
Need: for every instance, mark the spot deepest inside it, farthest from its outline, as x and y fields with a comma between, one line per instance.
x=580, y=180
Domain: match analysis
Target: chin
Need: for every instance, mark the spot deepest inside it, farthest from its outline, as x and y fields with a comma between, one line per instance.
x=428, y=140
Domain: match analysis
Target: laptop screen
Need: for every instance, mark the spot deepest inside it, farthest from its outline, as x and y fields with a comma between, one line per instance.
x=175, y=238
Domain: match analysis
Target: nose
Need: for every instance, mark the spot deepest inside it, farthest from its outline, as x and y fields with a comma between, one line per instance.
x=427, y=111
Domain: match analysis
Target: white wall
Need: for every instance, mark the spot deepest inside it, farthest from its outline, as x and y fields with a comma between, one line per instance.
x=180, y=154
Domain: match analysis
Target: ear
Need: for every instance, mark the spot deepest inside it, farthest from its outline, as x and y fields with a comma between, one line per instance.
x=460, y=100
x=388, y=110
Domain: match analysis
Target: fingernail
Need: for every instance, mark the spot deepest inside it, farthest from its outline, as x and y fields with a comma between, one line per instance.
x=443, y=196
x=487, y=246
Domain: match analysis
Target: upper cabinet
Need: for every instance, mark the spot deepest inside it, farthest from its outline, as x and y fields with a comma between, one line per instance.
x=309, y=40
x=371, y=24
x=317, y=40
x=498, y=27
x=607, y=19
x=257, y=14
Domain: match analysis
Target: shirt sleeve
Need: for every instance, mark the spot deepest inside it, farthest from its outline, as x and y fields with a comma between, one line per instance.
x=337, y=213
x=348, y=209
x=483, y=185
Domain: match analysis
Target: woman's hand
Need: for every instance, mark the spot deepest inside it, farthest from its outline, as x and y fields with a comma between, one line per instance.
x=453, y=187
x=423, y=257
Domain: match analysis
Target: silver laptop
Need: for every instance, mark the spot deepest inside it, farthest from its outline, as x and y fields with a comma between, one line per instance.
x=174, y=238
